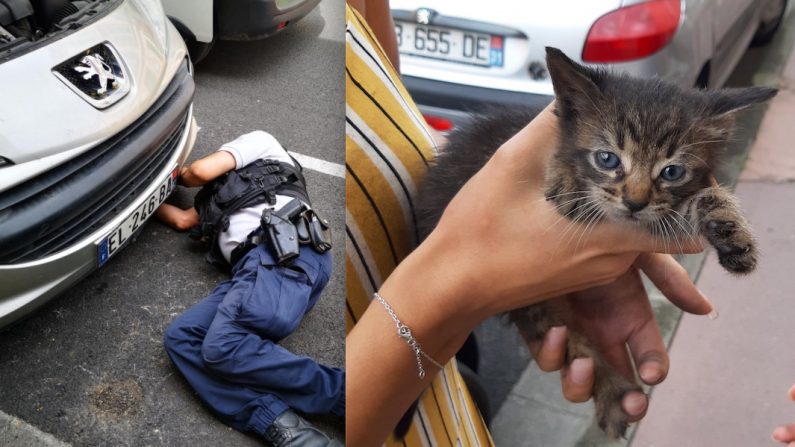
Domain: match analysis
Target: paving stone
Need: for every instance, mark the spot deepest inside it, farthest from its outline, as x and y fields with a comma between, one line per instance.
x=771, y=157
x=528, y=422
x=545, y=388
x=729, y=377
x=18, y=433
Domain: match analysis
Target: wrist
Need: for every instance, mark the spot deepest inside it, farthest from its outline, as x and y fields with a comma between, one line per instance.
x=433, y=296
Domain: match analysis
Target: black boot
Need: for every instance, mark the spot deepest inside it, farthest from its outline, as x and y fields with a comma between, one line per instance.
x=291, y=430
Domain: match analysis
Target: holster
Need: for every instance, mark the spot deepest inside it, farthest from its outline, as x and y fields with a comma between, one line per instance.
x=285, y=230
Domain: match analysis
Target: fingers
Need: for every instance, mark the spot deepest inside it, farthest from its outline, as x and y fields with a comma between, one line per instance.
x=635, y=405
x=785, y=433
x=673, y=281
x=577, y=380
x=648, y=351
x=617, y=357
x=551, y=352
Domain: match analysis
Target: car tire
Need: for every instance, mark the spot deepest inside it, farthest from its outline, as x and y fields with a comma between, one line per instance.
x=199, y=50
x=702, y=81
x=774, y=11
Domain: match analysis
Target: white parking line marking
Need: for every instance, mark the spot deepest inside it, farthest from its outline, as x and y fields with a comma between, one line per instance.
x=319, y=165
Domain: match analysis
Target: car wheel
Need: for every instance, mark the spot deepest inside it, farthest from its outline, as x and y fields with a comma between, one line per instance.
x=199, y=50
x=702, y=81
x=772, y=15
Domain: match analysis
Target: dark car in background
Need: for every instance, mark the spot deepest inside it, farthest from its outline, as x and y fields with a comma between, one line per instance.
x=202, y=22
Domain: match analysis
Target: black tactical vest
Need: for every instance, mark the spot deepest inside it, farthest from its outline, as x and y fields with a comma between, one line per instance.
x=255, y=183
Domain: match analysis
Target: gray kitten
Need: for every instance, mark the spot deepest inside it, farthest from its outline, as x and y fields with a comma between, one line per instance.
x=636, y=151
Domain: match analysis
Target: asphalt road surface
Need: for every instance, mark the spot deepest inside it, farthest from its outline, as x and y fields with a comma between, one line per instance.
x=89, y=367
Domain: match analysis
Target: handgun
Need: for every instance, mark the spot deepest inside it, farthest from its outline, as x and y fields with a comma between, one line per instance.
x=282, y=234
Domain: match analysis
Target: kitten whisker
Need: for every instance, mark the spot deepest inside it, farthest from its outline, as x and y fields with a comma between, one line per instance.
x=563, y=216
x=603, y=213
x=693, y=233
x=591, y=224
x=696, y=157
x=584, y=221
x=566, y=194
x=674, y=236
x=726, y=140
x=578, y=219
x=584, y=224
x=559, y=205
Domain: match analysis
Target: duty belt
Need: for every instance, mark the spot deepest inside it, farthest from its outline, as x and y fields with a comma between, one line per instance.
x=284, y=230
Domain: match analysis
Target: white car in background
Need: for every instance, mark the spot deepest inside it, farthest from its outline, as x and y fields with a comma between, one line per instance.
x=202, y=22
x=459, y=55
x=96, y=117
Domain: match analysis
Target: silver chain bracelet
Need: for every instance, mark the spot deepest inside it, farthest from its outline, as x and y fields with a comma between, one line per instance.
x=404, y=332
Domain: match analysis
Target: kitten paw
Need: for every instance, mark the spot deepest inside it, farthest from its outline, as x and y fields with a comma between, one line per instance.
x=737, y=259
x=610, y=388
x=735, y=246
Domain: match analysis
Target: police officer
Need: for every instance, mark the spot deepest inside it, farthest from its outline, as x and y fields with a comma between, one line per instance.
x=226, y=345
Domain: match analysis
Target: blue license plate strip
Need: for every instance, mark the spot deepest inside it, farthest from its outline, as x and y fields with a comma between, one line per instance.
x=117, y=238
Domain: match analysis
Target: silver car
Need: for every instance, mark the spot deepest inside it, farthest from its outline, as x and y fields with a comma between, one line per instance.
x=459, y=55
x=95, y=118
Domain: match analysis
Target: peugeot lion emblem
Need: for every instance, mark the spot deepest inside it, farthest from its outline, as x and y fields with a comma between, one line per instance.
x=93, y=65
x=424, y=16
x=98, y=75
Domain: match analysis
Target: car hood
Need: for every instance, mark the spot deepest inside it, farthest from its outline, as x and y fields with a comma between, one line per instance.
x=44, y=123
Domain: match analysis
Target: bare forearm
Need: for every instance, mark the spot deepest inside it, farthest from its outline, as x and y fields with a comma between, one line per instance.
x=207, y=169
x=379, y=17
x=176, y=218
x=380, y=366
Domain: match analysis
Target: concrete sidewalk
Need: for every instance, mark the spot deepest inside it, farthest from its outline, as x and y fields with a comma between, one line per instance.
x=729, y=380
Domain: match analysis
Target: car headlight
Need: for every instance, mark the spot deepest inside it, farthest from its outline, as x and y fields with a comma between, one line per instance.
x=153, y=10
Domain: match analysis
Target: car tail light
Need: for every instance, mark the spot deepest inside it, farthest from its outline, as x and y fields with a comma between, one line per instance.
x=633, y=32
x=281, y=26
x=439, y=123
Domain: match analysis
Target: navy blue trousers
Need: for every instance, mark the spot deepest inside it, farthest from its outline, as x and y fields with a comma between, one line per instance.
x=225, y=345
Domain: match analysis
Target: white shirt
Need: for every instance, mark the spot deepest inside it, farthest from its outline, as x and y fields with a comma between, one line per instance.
x=246, y=149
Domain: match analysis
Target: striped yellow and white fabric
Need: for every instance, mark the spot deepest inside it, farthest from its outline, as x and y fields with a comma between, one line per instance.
x=388, y=148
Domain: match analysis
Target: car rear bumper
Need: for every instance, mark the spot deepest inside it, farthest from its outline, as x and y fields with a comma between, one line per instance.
x=52, y=223
x=454, y=101
x=257, y=19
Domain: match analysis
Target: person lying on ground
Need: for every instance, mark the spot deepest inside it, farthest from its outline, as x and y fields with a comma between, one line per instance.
x=226, y=345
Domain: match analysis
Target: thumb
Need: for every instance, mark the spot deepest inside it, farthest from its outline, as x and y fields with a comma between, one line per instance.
x=673, y=281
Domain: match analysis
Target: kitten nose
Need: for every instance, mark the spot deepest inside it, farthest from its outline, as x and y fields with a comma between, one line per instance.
x=634, y=207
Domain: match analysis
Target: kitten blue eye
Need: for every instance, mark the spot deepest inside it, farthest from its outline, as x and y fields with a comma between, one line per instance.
x=672, y=173
x=607, y=160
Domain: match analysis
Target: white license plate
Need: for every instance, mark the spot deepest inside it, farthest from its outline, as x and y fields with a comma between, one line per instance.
x=118, y=237
x=452, y=45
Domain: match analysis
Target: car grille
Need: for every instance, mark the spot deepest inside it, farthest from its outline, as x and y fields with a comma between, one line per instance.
x=53, y=211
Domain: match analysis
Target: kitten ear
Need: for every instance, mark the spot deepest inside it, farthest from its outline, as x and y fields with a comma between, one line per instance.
x=730, y=100
x=571, y=80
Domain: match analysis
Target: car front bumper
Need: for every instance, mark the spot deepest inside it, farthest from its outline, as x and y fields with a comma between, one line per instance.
x=50, y=239
x=257, y=19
